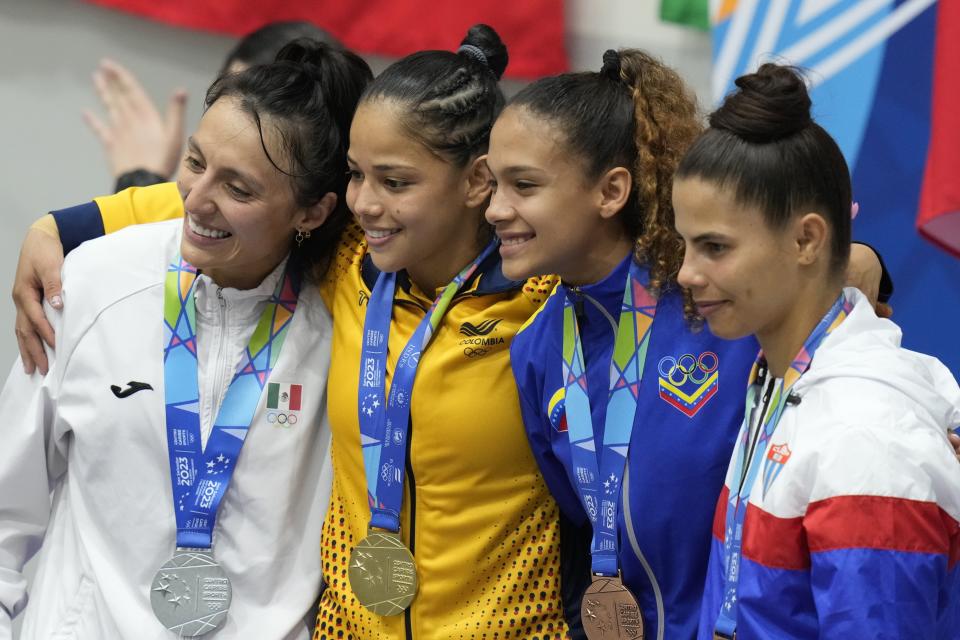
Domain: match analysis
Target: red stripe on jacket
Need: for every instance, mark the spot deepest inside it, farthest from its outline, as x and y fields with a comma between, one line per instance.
x=844, y=522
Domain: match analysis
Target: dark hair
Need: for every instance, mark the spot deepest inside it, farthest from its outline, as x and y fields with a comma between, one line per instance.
x=763, y=143
x=635, y=113
x=308, y=97
x=448, y=100
x=263, y=45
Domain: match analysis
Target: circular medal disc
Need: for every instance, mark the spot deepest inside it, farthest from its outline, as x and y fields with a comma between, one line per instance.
x=190, y=594
x=383, y=574
x=608, y=610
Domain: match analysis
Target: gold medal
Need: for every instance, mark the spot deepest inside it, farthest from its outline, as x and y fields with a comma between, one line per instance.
x=383, y=573
x=608, y=610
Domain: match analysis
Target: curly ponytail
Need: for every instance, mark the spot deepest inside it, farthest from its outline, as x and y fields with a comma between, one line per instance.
x=665, y=124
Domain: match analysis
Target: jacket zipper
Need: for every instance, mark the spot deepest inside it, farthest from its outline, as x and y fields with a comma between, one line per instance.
x=217, y=389
x=412, y=492
x=631, y=534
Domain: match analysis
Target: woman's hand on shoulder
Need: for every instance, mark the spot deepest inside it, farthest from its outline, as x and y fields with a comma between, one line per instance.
x=864, y=272
x=37, y=278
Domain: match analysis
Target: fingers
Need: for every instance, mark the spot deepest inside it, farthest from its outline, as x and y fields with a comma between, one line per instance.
x=884, y=310
x=174, y=124
x=29, y=342
x=176, y=113
x=955, y=443
x=126, y=86
x=98, y=127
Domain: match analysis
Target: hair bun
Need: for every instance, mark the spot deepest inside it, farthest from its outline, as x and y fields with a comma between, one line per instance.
x=611, y=65
x=768, y=105
x=482, y=44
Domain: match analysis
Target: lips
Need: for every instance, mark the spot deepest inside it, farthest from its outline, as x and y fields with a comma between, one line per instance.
x=708, y=307
x=512, y=244
x=206, y=232
x=379, y=237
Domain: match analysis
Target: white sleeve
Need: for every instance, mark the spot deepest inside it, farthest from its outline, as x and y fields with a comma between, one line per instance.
x=32, y=459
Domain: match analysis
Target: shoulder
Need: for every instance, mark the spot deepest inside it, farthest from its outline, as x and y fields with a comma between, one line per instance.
x=113, y=266
x=543, y=292
x=312, y=309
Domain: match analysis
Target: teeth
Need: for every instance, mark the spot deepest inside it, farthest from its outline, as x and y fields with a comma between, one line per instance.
x=381, y=233
x=509, y=242
x=205, y=231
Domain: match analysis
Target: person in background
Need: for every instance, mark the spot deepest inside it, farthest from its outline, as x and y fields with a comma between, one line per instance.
x=142, y=145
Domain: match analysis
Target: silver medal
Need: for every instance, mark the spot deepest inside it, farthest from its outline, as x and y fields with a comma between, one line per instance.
x=190, y=594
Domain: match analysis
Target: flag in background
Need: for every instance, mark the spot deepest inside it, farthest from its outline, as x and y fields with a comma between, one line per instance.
x=532, y=29
x=692, y=13
x=871, y=67
x=939, y=219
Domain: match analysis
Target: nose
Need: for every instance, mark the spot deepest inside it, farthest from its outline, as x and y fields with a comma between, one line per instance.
x=499, y=210
x=362, y=200
x=690, y=277
x=196, y=192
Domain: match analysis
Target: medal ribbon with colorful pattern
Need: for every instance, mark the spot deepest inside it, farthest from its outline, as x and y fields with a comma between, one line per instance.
x=598, y=481
x=200, y=476
x=739, y=499
x=385, y=420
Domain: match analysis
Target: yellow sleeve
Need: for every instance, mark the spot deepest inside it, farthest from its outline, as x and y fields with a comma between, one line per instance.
x=139, y=205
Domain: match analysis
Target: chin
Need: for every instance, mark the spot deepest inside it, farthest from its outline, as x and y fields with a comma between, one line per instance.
x=386, y=262
x=514, y=270
x=727, y=331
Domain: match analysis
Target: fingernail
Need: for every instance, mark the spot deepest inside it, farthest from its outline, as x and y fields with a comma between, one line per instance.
x=56, y=302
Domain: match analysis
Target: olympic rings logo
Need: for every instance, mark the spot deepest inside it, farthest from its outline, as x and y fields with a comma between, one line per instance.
x=470, y=352
x=688, y=367
x=282, y=418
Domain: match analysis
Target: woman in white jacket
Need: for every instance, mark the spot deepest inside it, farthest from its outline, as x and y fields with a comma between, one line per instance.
x=185, y=450
x=839, y=518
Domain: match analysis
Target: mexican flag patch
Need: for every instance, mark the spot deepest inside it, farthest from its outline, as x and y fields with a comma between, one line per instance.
x=283, y=396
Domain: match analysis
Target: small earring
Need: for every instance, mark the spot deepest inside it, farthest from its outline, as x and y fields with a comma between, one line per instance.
x=302, y=234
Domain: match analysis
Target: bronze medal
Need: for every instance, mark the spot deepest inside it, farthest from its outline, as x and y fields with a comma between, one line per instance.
x=383, y=573
x=608, y=611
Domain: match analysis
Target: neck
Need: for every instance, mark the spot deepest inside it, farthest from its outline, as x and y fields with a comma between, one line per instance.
x=607, y=249
x=438, y=270
x=782, y=343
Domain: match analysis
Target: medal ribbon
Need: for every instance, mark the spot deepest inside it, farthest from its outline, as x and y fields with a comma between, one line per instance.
x=598, y=481
x=200, y=476
x=739, y=499
x=385, y=420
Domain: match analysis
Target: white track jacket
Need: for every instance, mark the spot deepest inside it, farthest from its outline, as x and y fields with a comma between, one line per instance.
x=84, y=473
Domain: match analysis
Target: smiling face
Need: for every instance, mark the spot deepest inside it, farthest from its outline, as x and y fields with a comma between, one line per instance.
x=240, y=211
x=744, y=276
x=550, y=217
x=417, y=210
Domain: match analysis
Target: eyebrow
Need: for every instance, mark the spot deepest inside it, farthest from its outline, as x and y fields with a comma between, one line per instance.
x=384, y=167
x=229, y=173
x=520, y=168
x=710, y=236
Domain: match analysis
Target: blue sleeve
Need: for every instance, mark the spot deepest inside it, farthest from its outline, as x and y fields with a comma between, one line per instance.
x=78, y=224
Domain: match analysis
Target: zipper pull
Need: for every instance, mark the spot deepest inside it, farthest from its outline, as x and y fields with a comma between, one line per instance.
x=577, y=301
x=223, y=301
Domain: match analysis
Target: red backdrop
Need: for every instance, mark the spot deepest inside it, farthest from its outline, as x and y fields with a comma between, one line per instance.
x=532, y=29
